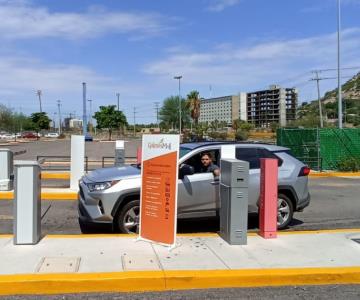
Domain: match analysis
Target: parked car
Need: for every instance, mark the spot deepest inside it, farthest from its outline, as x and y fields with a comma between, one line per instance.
x=52, y=135
x=111, y=195
x=7, y=136
x=88, y=138
x=29, y=135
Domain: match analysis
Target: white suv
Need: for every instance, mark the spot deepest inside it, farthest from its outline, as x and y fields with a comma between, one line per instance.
x=112, y=195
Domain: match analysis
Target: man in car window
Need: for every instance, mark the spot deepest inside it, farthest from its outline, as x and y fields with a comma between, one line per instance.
x=208, y=165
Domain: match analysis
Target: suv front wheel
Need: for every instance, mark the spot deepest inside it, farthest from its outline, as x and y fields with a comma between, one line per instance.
x=285, y=211
x=127, y=219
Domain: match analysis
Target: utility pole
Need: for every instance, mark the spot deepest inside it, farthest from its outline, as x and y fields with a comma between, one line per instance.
x=157, y=113
x=84, y=110
x=39, y=93
x=338, y=68
x=317, y=79
x=54, y=123
x=59, y=112
x=134, y=121
x=179, y=78
x=90, y=115
x=118, y=100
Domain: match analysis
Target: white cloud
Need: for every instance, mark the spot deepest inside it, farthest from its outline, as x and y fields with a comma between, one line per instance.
x=20, y=20
x=220, y=5
x=20, y=77
x=256, y=66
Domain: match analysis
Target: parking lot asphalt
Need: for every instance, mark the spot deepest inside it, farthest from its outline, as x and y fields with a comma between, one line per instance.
x=334, y=204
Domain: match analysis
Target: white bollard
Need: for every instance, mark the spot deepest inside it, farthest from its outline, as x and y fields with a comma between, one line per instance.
x=77, y=160
x=6, y=170
x=27, y=203
x=119, y=153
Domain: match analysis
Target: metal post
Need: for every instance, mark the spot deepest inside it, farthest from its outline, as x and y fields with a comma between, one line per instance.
x=84, y=110
x=39, y=92
x=27, y=205
x=338, y=69
x=90, y=115
x=319, y=100
x=179, y=78
x=318, y=148
x=134, y=121
x=157, y=113
x=118, y=100
x=58, y=103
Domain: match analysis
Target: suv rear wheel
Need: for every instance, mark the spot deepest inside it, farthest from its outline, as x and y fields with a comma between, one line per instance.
x=127, y=219
x=285, y=211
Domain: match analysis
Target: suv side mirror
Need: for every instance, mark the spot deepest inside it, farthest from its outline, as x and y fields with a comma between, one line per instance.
x=185, y=170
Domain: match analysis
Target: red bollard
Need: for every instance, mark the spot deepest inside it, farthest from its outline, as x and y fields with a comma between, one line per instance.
x=268, y=198
x=138, y=155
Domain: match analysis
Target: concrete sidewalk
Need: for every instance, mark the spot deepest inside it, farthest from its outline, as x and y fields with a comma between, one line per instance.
x=109, y=263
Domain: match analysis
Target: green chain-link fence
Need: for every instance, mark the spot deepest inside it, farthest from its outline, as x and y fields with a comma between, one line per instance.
x=321, y=149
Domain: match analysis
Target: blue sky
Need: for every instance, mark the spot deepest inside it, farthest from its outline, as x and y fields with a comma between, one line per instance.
x=136, y=47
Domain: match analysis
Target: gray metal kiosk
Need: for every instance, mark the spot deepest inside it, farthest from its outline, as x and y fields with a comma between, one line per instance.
x=27, y=204
x=6, y=170
x=234, y=183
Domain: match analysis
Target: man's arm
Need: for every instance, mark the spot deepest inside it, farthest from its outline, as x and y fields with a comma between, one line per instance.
x=215, y=170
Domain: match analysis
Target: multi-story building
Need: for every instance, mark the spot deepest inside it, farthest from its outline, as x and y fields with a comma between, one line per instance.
x=75, y=123
x=275, y=105
x=223, y=109
x=261, y=108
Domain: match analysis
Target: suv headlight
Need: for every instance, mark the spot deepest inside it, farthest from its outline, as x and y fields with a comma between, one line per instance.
x=100, y=186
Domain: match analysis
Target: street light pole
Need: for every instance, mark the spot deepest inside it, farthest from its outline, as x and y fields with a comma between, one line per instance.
x=84, y=109
x=59, y=111
x=118, y=101
x=39, y=93
x=338, y=69
x=179, y=78
x=90, y=115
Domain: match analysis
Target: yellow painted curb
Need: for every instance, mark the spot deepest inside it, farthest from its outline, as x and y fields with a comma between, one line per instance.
x=44, y=196
x=81, y=283
x=173, y=280
x=47, y=175
x=59, y=196
x=335, y=174
x=6, y=195
x=176, y=280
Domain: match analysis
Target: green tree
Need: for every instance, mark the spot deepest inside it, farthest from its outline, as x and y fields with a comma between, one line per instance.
x=201, y=129
x=40, y=121
x=242, y=125
x=193, y=104
x=169, y=112
x=109, y=118
x=6, y=118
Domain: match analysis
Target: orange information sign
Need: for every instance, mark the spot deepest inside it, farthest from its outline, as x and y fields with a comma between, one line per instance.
x=158, y=205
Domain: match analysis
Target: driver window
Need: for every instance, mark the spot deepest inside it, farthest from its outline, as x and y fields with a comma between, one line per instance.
x=195, y=160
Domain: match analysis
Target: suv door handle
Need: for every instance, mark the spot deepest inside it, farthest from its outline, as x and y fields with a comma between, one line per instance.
x=215, y=182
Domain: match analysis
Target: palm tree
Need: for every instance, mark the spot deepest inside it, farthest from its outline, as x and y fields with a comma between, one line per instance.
x=193, y=104
x=169, y=112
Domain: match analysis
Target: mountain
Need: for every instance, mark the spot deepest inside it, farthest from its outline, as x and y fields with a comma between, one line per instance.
x=350, y=90
x=308, y=113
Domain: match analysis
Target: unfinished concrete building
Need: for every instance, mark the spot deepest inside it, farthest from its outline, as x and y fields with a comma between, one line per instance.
x=275, y=105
